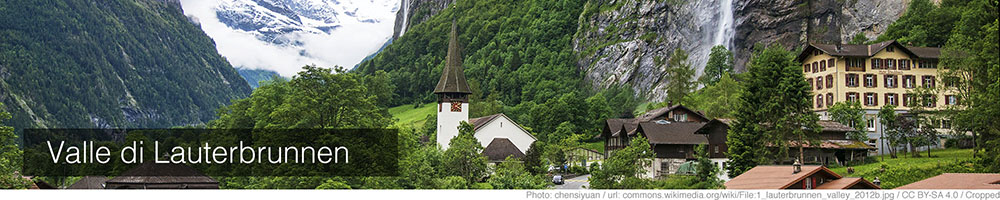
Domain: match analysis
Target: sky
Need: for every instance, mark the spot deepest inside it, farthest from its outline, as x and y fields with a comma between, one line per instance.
x=344, y=46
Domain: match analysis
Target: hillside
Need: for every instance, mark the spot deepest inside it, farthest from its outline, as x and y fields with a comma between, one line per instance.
x=905, y=169
x=407, y=115
x=114, y=63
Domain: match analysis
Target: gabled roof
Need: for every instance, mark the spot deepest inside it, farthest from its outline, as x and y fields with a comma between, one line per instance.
x=673, y=132
x=957, y=181
x=480, y=122
x=618, y=126
x=776, y=177
x=829, y=125
x=453, y=76
x=500, y=148
x=856, y=50
x=152, y=173
x=89, y=182
x=650, y=115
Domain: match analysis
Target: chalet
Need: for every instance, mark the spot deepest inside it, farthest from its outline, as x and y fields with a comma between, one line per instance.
x=162, y=176
x=957, y=181
x=796, y=177
x=833, y=146
x=499, y=135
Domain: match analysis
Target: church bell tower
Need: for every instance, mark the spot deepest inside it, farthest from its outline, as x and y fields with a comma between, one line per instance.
x=453, y=93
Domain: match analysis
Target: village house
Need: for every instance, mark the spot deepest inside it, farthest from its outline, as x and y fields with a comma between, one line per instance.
x=956, y=181
x=498, y=134
x=875, y=75
x=161, y=176
x=780, y=177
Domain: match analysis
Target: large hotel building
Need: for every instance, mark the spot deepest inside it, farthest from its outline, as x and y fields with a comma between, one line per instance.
x=875, y=75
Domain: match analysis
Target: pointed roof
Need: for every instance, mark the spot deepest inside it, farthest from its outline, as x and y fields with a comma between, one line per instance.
x=500, y=148
x=453, y=76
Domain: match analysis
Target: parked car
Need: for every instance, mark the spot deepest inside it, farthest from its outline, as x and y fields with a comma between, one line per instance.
x=557, y=179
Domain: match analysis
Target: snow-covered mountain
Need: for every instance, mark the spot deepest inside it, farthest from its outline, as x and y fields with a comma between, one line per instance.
x=283, y=35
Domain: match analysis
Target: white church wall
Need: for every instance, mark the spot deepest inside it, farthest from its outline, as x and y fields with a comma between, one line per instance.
x=448, y=122
x=502, y=127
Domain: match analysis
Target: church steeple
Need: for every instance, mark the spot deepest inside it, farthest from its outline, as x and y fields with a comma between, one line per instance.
x=452, y=86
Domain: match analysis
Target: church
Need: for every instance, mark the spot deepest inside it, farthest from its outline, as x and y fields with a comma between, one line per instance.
x=500, y=135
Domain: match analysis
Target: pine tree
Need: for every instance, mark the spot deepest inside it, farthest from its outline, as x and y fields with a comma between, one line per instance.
x=720, y=62
x=681, y=75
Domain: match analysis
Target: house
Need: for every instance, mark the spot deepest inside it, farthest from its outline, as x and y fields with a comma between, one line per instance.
x=833, y=146
x=161, y=176
x=613, y=128
x=796, y=177
x=499, y=135
x=89, y=182
x=957, y=181
x=874, y=75
x=583, y=157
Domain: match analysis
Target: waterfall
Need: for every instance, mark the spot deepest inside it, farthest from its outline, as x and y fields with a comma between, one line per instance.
x=406, y=16
x=724, y=31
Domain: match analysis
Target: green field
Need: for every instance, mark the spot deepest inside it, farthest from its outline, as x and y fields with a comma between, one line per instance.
x=406, y=115
x=905, y=169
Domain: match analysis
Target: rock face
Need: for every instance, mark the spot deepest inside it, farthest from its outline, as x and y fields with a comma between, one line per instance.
x=629, y=41
x=412, y=12
x=792, y=23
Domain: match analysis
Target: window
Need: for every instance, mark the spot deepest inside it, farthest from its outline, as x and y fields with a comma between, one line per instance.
x=890, y=64
x=951, y=100
x=819, y=101
x=716, y=148
x=876, y=63
x=889, y=49
x=819, y=83
x=928, y=81
x=680, y=117
x=829, y=81
x=930, y=101
x=945, y=124
x=872, y=141
x=907, y=100
x=852, y=80
x=810, y=80
x=909, y=81
x=852, y=96
x=822, y=66
x=928, y=65
x=890, y=81
x=829, y=99
x=815, y=67
x=831, y=63
x=805, y=68
x=904, y=64
x=890, y=99
x=855, y=64
x=870, y=81
x=808, y=183
x=870, y=99
x=871, y=123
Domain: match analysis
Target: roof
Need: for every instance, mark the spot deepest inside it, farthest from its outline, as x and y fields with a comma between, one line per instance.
x=775, y=177
x=480, y=122
x=649, y=115
x=616, y=125
x=500, y=148
x=829, y=125
x=835, y=144
x=847, y=183
x=859, y=50
x=957, y=181
x=453, y=76
x=89, y=182
x=152, y=173
x=673, y=132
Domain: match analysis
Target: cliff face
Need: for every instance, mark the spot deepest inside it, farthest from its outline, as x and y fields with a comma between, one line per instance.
x=412, y=12
x=793, y=23
x=629, y=41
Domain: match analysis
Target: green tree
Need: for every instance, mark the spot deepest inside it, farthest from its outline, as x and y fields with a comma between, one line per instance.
x=533, y=158
x=624, y=168
x=891, y=135
x=10, y=157
x=707, y=171
x=851, y=114
x=717, y=100
x=773, y=111
x=859, y=38
x=463, y=157
x=511, y=174
x=720, y=62
x=681, y=75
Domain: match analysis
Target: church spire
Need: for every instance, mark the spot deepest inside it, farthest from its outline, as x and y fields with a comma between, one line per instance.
x=452, y=80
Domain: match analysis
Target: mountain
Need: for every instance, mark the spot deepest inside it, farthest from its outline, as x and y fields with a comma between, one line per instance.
x=284, y=35
x=255, y=76
x=413, y=12
x=112, y=63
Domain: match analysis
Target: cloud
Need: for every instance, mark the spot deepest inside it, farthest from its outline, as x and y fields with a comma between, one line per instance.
x=345, y=46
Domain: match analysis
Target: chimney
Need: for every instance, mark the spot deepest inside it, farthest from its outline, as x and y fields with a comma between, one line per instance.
x=877, y=182
x=797, y=167
x=840, y=47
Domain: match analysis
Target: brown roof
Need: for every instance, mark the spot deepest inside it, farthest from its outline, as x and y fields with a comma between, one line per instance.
x=829, y=125
x=616, y=125
x=673, y=132
x=152, y=173
x=855, y=50
x=453, y=76
x=649, y=115
x=847, y=183
x=89, y=182
x=957, y=181
x=834, y=144
x=775, y=177
x=500, y=148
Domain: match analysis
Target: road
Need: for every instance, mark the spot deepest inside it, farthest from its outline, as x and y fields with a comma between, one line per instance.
x=576, y=183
